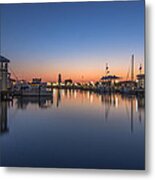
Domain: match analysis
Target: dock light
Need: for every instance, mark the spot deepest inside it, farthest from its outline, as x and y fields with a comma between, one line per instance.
x=55, y=84
x=137, y=81
x=48, y=83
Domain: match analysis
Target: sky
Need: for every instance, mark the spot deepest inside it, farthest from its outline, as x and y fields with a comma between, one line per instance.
x=74, y=39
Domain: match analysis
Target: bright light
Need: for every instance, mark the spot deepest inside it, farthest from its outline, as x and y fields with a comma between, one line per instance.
x=48, y=83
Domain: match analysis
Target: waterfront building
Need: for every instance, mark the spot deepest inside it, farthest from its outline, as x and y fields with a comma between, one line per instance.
x=127, y=86
x=141, y=81
x=4, y=76
x=36, y=81
x=109, y=83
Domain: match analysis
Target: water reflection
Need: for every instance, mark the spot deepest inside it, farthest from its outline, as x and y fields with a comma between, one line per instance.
x=108, y=101
x=58, y=97
x=141, y=106
x=3, y=118
x=42, y=102
x=94, y=130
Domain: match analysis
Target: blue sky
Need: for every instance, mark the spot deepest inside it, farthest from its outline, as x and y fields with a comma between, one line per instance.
x=74, y=39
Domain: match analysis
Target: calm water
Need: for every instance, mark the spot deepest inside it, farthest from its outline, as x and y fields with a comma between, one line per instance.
x=74, y=129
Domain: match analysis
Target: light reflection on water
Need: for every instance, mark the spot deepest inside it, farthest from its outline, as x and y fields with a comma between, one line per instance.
x=78, y=129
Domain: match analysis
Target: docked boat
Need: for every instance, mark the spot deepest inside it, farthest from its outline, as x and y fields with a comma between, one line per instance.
x=29, y=90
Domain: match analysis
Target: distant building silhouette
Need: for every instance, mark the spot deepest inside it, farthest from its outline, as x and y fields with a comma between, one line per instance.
x=59, y=79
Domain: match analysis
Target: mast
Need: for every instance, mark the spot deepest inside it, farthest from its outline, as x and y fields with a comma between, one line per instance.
x=132, y=68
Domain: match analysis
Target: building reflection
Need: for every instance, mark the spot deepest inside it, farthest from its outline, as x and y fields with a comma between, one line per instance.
x=141, y=107
x=58, y=98
x=3, y=118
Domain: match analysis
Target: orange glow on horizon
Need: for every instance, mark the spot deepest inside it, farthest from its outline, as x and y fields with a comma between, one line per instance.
x=76, y=76
x=88, y=70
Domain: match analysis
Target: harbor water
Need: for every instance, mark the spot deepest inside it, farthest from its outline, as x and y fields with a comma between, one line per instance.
x=74, y=129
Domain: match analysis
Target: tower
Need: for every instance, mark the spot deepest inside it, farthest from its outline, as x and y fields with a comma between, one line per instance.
x=59, y=79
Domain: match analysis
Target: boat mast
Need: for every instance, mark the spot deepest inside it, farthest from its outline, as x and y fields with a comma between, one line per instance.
x=132, y=68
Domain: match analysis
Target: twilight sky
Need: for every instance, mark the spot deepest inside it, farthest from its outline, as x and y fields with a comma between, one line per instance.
x=74, y=39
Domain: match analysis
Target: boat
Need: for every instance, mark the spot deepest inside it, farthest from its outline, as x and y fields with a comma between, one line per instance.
x=26, y=89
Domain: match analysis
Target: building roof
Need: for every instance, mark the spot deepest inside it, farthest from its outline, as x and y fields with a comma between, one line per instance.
x=110, y=77
x=3, y=59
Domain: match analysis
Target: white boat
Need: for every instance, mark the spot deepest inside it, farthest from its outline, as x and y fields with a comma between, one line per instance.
x=29, y=90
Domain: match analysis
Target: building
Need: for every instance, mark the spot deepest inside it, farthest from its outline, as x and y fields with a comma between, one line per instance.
x=36, y=81
x=127, y=86
x=141, y=81
x=109, y=83
x=59, y=79
x=4, y=76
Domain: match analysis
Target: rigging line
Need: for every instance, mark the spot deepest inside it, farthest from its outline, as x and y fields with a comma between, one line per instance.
x=13, y=73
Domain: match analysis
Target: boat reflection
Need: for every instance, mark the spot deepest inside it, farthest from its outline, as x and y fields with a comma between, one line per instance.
x=42, y=102
x=109, y=129
x=108, y=102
